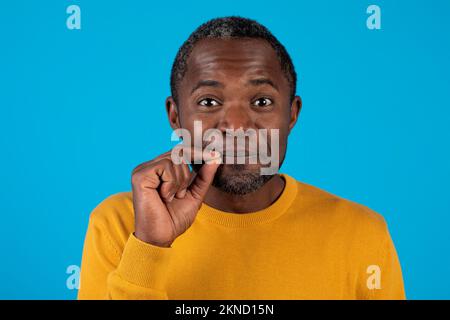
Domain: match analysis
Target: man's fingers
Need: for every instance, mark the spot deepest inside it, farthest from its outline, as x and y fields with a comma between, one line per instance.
x=174, y=180
x=191, y=154
x=151, y=163
x=169, y=179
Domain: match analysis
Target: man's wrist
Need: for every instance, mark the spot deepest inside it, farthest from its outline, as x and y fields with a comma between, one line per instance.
x=141, y=236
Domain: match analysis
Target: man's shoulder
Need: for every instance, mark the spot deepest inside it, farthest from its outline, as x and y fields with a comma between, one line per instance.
x=113, y=210
x=336, y=211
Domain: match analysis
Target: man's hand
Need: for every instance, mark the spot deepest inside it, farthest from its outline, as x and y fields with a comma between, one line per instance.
x=167, y=197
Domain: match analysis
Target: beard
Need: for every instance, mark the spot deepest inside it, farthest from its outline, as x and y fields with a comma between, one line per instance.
x=241, y=181
x=237, y=179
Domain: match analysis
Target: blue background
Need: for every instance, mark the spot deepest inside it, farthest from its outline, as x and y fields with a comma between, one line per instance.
x=81, y=108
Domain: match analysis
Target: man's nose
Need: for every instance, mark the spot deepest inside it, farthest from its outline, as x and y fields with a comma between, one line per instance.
x=236, y=116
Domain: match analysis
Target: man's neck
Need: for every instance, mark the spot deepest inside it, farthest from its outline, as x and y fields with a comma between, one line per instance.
x=254, y=201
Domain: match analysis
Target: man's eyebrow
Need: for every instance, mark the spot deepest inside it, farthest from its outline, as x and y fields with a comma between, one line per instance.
x=206, y=83
x=261, y=81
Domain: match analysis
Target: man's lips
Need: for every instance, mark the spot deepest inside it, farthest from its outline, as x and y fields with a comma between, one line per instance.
x=240, y=153
x=227, y=154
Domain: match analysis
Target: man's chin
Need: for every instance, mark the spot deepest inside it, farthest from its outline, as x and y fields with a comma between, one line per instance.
x=239, y=179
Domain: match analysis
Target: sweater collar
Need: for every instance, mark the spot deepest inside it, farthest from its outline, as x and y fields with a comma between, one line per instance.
x=272, y=212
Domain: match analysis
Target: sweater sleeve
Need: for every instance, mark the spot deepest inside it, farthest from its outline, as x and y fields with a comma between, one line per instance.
x=132, y=271
x=141, y=272
x=380, y=274
x=391, y=285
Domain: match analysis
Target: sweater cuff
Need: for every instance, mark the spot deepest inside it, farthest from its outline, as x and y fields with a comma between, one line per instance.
x=143, y=264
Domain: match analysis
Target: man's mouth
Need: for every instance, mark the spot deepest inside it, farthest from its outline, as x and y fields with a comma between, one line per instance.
x=231, y=156
x=240, y=153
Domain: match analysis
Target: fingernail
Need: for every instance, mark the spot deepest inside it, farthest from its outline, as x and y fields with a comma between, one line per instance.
x=214, y=161
x=216, y=158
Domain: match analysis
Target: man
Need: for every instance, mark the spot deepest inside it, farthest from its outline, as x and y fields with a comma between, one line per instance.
x=226, y=231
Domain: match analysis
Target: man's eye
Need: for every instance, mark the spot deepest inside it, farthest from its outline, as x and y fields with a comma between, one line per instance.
x=262, y=102
x=208, y=102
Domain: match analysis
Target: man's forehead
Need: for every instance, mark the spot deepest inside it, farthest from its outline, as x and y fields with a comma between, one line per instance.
x=239, y=57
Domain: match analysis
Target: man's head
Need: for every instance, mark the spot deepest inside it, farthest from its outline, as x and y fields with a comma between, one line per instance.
x=233, y=73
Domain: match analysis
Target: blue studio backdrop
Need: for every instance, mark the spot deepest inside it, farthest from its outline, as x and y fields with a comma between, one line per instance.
x=82, y=106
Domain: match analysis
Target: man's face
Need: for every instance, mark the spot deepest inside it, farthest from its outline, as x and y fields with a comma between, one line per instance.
x=232, y=84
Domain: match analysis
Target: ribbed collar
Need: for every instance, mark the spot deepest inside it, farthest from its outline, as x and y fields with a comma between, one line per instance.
x=272, y=212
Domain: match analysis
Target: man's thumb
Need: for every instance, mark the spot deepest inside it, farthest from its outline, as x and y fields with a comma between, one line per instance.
x=205, y=176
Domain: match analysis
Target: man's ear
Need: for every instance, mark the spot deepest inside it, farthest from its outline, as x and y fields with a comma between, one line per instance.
x=172, y=113
x=296, y=107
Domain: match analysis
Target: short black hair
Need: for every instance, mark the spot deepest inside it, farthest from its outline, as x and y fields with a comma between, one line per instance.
x=230, y=27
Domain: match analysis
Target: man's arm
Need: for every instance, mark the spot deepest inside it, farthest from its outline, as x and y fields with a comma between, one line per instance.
x=166, y=199
x=108, y=273
x=392, y=287
x=381, y=274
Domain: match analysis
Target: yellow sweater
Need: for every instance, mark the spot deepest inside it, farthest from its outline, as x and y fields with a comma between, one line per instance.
x=309, y=244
